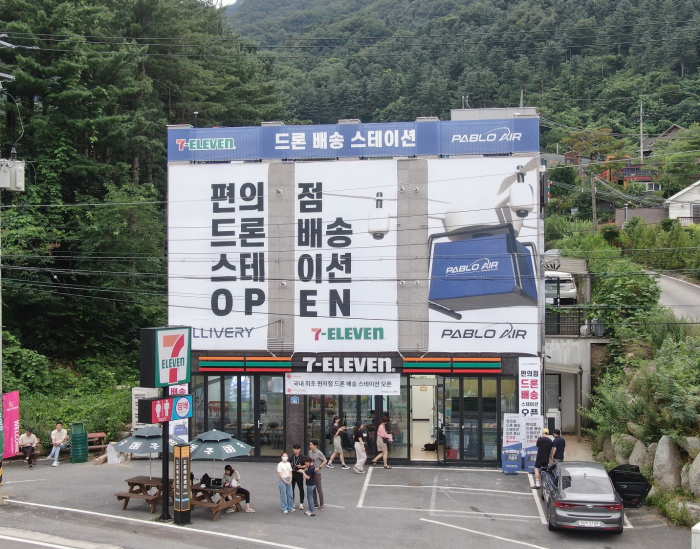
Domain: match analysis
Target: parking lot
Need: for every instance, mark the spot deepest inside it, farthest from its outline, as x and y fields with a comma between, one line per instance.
x=407, y=506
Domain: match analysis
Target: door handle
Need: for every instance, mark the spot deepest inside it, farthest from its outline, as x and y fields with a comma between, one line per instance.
x=259, y=424
x=623, y=486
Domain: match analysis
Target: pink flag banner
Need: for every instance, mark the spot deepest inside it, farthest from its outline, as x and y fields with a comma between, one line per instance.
x=10, y=407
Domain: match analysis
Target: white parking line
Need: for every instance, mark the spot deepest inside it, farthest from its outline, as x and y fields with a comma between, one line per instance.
x=449, y=488
x=18, y=481
x=628, y=524
x=536, y=495
x=151, y=523
x=452, y=511
x=32, y=542
x=364, y=488
x=484, y=534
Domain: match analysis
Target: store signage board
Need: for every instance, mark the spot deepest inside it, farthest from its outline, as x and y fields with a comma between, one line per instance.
x=530, y=386
x=160, y=410
x=511, y=457
x=298, y=383
x=475, y=292
x=165, y=356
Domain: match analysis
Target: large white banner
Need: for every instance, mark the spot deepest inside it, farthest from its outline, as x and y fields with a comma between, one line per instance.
x=342, y=384
x=346, y=257
x=530, y=386
x=217, y=254
x=483, y=225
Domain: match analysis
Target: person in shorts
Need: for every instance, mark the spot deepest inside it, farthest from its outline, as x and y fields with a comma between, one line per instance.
x=544, y=453
x=337, y=430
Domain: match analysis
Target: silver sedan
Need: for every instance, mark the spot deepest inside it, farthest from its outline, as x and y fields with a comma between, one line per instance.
x=583, y=495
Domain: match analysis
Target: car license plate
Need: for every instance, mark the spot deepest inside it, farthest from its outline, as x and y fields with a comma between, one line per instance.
x=593, y=523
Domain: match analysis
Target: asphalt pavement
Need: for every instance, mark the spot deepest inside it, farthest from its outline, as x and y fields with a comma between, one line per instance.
x=681, y=296
x=73, y=506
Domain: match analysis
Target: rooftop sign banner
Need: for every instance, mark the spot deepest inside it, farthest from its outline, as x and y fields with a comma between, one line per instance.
x=445, y=138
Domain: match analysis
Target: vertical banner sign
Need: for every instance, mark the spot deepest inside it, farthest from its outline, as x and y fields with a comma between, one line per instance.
x=511, y=459
x=179, y=427
x=532, y=429
x=530, y=386
x=217, y=254
x=182, y=488
x=345, y=256
x=10, y=405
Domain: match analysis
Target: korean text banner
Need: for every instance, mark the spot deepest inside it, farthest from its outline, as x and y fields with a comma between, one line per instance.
x=11, y=428
x=217, y=240
x=519, y=135
x=342, y=384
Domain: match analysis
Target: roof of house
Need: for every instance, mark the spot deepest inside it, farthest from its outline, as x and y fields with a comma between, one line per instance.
x=675, y=197
x=649, y=143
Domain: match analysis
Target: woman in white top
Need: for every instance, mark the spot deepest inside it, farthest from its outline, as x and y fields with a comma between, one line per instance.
x=284, y=471
x=233, y=478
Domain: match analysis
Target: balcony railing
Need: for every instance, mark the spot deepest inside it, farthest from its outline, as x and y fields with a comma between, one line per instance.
x=572, y=321
x=688, y=221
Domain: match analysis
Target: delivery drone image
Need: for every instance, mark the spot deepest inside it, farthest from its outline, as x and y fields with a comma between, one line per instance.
x=476, y=260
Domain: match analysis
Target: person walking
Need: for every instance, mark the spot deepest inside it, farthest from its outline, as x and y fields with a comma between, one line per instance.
x=59, y=441
x=558, y=445
x=360, y=452
x=233, y=478
x=284, y=471
x=319, y=461
x=337, y=431
x=383, y=440
x=544, y=453
x=298, y=461
x=309, y=473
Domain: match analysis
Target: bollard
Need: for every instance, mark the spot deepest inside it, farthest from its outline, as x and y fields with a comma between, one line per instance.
x=695, y=536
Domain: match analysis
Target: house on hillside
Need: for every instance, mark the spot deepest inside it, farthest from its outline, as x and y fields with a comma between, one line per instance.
x=685, y=205
x=649, y=144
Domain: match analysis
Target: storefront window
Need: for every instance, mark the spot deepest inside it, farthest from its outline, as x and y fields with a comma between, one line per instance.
x=231, y=405
x=349, y=419
x=214, y=402
x=271, y=415
x=489, y=418
x=198, y=395
x=247, y=392
x=471, y=418
x=397, y=409
x=452, y=423
x=331, y=408
x=313, y=420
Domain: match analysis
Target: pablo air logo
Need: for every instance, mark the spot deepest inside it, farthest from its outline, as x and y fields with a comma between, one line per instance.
x=173, y=354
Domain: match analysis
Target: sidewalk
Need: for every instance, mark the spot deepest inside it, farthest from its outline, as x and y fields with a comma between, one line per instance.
x=577, y=451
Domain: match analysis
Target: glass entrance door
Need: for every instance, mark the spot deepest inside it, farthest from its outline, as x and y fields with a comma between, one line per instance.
x=470, y=423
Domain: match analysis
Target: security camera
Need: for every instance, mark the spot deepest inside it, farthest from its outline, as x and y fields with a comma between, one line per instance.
x=378, y=220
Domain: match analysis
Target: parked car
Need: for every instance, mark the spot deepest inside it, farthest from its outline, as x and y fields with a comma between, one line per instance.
x=567, y=287
x=583, y=495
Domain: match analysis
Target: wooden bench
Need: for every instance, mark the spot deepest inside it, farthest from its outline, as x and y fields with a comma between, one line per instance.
x=96, y=441
x=227, y=498
x=152, y=499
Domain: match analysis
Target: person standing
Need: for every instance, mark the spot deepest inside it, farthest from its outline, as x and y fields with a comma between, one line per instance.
x=309, y=473
x=360, y=452
x=320, y=462
x=59, y=441
x=383, y=440
x=558, y=445
x=337, y=431
x=27, y=445
x=233, y=478
x=297, y=473
x=284, y=471
x=544, y=452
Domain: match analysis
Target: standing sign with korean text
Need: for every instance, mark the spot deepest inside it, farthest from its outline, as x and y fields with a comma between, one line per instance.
x=532, y=429
x=511, y=457
x=530, y=386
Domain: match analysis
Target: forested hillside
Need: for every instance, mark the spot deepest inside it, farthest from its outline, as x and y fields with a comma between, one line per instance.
x=584, y=64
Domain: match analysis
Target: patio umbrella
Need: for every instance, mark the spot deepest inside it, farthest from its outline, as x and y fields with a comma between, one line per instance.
x=217, y=445
x=148, y=440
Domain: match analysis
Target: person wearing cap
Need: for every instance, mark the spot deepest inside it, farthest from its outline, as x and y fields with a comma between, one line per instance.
x=544, y=452
x=27, y=445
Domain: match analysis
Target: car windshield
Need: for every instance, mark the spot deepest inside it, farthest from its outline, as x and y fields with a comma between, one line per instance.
x=579, y=482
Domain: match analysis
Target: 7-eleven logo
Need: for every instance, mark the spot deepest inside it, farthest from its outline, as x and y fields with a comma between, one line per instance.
x=173, y=355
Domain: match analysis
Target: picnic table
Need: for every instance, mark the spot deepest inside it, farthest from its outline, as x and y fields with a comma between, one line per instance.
x=149, y=489
x=216, y=499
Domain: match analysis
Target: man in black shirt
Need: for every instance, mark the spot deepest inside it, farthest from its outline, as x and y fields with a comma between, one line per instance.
x=544, y=452
x=558, y=446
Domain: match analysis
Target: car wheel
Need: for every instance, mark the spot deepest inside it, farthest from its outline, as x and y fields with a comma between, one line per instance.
x=549, y=525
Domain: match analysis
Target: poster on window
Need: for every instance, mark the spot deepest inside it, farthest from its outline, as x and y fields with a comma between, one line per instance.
x=342, y=384
x=217, y=254
x=346, y=257
x=511, y=458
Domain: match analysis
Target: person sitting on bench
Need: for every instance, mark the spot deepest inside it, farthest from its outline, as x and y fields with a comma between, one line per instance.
x=233, y=478
x=27, y=445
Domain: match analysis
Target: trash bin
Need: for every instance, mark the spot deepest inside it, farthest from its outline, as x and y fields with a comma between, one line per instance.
x=78, y=443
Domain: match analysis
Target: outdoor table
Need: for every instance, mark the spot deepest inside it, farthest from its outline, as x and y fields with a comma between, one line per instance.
x=146, y=488
x=216, y=499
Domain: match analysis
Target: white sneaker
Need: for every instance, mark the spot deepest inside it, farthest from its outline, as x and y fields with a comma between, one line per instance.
x=345, y=467
x=301, y=507
x=292, y=510
x=285, y=512
x=330, y=465
x=537, y=484
x=55, y=463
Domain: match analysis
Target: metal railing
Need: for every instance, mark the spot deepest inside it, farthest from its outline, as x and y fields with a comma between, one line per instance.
x=688, y=221
x=571, y=321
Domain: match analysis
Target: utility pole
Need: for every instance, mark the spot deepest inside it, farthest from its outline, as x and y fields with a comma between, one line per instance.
x=595, y=211
x=641, y=130
x=522, y=97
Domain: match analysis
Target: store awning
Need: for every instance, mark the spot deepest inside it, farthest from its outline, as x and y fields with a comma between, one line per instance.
x=554, y=368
